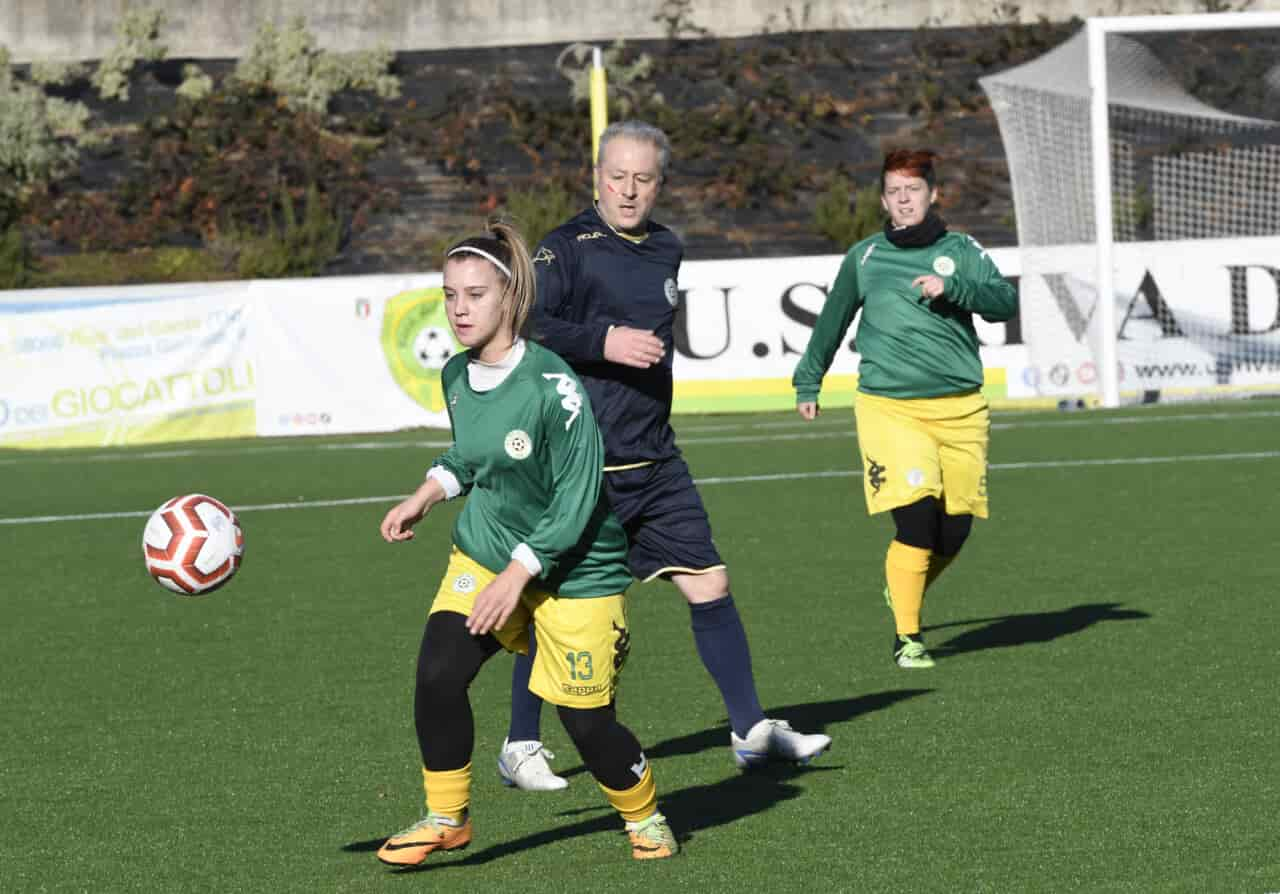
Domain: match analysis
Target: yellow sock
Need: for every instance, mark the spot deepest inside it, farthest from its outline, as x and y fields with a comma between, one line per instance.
x=638, y=802
x=906, y=568
x=448, y=792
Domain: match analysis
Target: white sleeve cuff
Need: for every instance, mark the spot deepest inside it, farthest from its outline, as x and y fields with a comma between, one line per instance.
x=525, y=557
x=447, y=480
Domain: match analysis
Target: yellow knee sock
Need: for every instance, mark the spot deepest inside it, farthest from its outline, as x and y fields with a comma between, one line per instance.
x=638, y=802
x=448, y=792
x=906, y=569
x=937, y=565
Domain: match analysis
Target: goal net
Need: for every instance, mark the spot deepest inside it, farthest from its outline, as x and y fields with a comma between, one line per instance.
x=1177, y=224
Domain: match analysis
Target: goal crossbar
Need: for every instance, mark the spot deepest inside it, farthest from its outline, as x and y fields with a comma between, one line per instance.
x=1097, y=29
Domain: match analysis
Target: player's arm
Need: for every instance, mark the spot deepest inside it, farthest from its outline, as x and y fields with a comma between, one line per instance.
x=841, y=305
x=577, y=456
x=447, y=478
x=557, y=322
x=397, y=524
x=572, y=331
x=981, y=288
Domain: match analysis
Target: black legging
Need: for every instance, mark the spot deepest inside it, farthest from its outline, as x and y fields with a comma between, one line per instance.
x=925, y=525
x=449, y=659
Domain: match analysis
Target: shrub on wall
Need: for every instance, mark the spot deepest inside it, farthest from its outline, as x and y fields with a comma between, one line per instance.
x=287, y=61
x=846, y=217
x=294, y=247
x=137, y=35
x=15, y=259
x=536, y=212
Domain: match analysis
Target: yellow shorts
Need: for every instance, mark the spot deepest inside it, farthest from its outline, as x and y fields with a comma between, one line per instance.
x=582, y=643
x=931, y=446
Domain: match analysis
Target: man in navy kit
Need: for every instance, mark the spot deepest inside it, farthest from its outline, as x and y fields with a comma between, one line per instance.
x=606, y=302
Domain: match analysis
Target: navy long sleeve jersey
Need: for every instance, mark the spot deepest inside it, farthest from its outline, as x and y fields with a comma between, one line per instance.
x=590, y=278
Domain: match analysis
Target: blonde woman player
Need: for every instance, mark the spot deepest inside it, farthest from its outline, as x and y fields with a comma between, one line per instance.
x=923, y=423
x=535, y=544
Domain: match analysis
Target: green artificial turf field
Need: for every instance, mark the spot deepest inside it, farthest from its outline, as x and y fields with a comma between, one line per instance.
x=1102, y=717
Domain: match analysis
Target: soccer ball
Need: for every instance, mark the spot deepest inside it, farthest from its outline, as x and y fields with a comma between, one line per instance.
x=433, y=347
x=192, y=544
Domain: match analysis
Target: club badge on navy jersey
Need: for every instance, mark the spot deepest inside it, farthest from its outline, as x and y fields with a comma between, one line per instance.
x=944, y=266
x=544, y=256
x=518, y=445
x=669, y=289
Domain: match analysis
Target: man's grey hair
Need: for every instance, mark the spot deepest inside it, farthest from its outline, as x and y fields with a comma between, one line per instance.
x=645, y=133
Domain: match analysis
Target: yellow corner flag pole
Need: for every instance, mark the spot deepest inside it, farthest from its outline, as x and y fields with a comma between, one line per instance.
x=599, y=105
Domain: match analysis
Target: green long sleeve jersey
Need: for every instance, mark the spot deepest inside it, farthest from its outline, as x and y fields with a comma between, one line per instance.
x=909, y=347
x=529, y=457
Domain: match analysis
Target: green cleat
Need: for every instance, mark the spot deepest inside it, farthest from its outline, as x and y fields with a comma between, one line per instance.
x=652, y=838
x=909, y=651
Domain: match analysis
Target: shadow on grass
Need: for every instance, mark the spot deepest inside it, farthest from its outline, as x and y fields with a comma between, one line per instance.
x=1032, y=627
x=690, y=810
x=810, y=717
x=698, y=807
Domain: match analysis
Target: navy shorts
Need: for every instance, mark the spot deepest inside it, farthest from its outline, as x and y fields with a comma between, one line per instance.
x=666, y=523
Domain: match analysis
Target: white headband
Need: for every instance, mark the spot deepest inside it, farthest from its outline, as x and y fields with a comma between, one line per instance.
x=482, y=253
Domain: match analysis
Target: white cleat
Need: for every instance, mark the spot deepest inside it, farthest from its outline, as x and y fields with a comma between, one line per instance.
x=776, y=740
x=523, y=765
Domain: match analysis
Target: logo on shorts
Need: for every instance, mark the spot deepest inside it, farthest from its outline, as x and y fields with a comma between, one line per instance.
x=517, y=444
x=943, y=265
x=621, y=647
x=875, y=475
x=464, y=583
x=915, y=477
x=669, y=289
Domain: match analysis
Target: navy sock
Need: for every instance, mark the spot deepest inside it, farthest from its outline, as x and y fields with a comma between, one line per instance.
x=526, y=708
x=722, y=645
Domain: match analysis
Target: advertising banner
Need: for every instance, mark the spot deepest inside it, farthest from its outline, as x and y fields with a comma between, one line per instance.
x=351, y=354
x=743, y=324
x=1189, y=316
x=132, y=365
x=80, y=370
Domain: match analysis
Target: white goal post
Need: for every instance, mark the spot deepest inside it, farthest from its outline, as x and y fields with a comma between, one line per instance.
x=1144, y=161
x=1100, y=127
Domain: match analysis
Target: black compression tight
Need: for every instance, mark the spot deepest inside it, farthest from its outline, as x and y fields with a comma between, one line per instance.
x=924, y=524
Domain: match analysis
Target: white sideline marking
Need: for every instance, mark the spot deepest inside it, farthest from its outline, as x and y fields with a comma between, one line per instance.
x=820, y=428
x=725, y=479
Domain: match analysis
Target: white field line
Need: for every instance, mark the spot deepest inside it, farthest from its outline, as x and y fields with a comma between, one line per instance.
x=702, y=482
x=822, y=428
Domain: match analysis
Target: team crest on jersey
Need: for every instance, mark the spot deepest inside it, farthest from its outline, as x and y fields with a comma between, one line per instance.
x=518, y=444
x=570, y=399
x=944, y=266
x=669, y=289
x=594, y=234
x=544, y=255
x=464, y=583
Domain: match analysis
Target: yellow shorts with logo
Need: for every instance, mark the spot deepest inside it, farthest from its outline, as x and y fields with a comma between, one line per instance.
x=582, y=643
x=922, y=447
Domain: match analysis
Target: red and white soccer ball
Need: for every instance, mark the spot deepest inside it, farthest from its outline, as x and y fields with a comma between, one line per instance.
x=192, y=544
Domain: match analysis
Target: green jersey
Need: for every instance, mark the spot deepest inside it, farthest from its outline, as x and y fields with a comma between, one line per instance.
x=529, y=457
x=910, y=347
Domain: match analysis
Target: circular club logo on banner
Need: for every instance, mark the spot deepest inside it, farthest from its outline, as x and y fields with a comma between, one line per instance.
x=669, y=289
x=518, y=445
x=943, y=265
